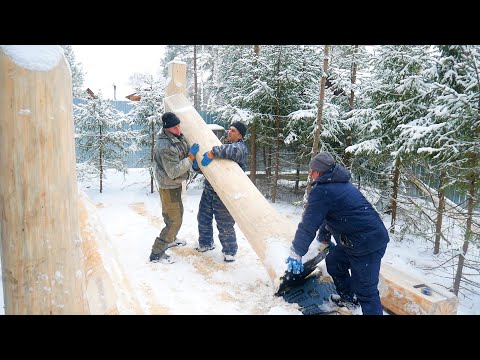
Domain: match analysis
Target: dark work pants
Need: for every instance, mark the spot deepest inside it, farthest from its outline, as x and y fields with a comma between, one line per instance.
x=363, y=281
x=210, y=206
x=172, y=211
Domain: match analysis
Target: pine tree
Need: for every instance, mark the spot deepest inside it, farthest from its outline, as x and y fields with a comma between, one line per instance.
x=397, y=96
x=77, y=72
x=456, y=116
x=348, y=67
x=147, y=115
x=101, y=138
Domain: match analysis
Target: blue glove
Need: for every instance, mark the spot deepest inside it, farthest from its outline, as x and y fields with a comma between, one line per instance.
x=207, y=158
x=193, y=151
x=294, y=262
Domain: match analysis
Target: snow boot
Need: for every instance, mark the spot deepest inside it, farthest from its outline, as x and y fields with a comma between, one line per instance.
x=177, y=242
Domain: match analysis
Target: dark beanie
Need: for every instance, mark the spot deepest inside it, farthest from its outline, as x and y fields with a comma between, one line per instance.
x=242, y=129
x=169, y=120
x=322, y=162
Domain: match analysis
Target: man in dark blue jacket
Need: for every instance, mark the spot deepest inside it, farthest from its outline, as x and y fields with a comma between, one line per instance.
x=336, y=207
x=211, y=205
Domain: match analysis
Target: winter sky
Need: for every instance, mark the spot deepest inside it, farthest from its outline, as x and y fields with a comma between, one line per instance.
x=106, y=65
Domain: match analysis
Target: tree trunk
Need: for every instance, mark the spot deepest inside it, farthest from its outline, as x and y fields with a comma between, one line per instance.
x=42, y=261
x=100, y=154
x=468, y=233
x=152, y=150
x=195, y=81
x=277, y=159
x=264, y=153
x=440, y=210
x=253, y=135
x=347, y=157
x=318, y=126
x=298, y=177
x=396, y=180
x=268, y=170
x=277, y=134
x=253, y=154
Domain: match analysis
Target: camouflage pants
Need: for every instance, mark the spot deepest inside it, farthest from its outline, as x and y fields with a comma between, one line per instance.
x=172, y=212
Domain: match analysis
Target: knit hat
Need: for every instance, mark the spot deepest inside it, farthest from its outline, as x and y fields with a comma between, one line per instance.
x=322, y=162
x=242, y=129
x=169, y=120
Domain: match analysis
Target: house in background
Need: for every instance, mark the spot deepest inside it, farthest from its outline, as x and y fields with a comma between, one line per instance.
x=133, y=97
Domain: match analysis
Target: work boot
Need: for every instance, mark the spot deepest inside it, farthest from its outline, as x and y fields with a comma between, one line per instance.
x=202, y=248
x=342, y=302
x=177, y=242
x=228, y=258
x=163, y=258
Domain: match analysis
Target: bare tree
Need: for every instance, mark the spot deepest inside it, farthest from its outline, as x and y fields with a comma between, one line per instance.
x=318, y=125
x=253, y=134
x=347, y=156
x=195, y=82
x=440, y=210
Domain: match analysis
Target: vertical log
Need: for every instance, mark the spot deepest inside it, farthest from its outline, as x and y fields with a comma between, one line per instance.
x=42, y=264
x=177, y=78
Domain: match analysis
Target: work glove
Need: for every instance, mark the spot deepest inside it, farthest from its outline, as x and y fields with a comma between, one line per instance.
x=294, y=263
x=326, y=246
x=207, y=158
x=193, y=151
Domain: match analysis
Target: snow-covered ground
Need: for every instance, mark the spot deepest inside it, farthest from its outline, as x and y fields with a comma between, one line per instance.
x=202, y=283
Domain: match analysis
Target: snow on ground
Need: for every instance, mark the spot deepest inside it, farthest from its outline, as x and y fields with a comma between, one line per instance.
x=202, y=283
x=199, y=283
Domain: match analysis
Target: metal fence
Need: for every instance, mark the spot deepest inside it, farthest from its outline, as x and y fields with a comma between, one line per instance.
x=133, y=158
x=287, y=158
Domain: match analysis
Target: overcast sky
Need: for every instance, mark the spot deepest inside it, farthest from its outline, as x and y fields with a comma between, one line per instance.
x=106, y=65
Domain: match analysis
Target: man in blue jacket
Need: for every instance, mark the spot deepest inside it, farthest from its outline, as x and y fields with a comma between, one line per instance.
x=336, y=207
x=211, y=205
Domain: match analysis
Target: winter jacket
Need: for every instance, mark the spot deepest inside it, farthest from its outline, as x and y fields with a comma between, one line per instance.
x=344, y=212
x=172, y=163
x=237, y=152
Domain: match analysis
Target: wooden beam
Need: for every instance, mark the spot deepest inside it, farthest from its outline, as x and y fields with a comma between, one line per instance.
x=42, y=265
x=398, y=295
x=108, y=291
x=177, y=78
